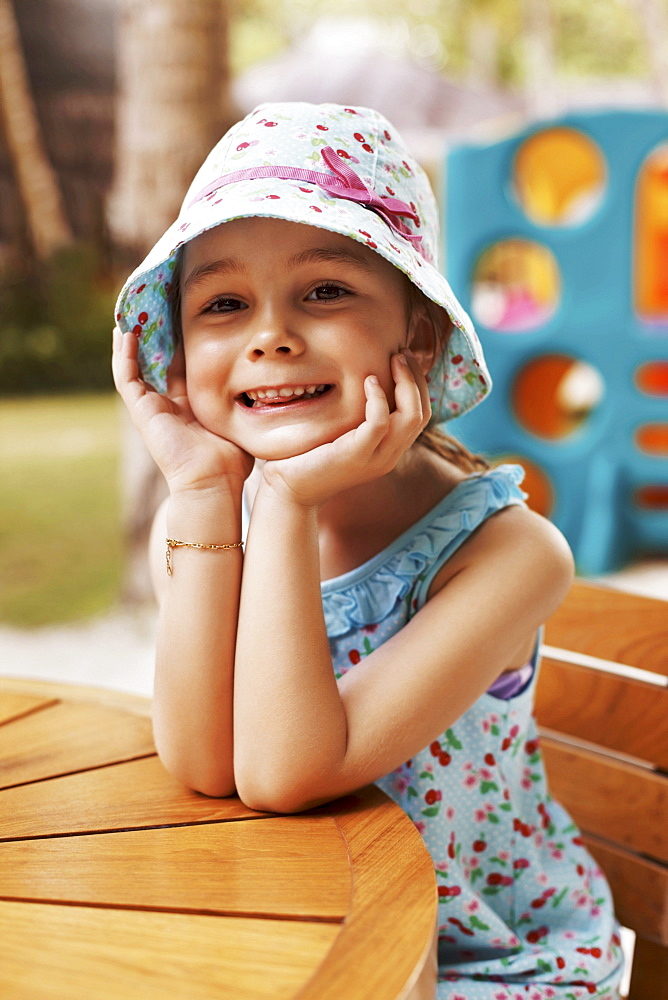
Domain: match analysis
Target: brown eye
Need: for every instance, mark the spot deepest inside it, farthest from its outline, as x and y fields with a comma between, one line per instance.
x=327, y=293
x=224, y=305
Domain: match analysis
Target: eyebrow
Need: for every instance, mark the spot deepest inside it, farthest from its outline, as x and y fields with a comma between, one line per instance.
x=313, y=255
x=227, y=265
x=331, y=255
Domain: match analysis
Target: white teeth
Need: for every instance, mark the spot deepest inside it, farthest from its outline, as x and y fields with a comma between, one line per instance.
x=286, y=392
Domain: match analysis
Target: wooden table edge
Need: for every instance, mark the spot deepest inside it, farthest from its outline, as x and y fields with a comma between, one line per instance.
x=371, y=824
x=109, y=697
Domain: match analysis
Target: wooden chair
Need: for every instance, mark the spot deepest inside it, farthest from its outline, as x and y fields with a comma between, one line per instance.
x=602, y=707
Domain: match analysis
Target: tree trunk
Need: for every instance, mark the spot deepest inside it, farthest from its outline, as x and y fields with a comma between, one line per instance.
x=35, y=177
x=540, y=72
x=173, y=106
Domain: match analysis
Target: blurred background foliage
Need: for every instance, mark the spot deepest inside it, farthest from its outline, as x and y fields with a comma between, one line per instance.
x=597, y=38
x=54, y=324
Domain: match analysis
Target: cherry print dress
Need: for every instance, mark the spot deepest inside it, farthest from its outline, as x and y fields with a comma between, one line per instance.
x=524, y=911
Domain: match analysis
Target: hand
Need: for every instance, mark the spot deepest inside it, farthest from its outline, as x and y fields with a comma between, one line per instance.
x=189, y=456
x=364, y=453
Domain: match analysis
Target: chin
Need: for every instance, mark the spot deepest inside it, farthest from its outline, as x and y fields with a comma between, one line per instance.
x=274, y=447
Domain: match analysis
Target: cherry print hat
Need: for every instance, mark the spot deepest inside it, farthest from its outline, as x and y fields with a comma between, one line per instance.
x=342, y=169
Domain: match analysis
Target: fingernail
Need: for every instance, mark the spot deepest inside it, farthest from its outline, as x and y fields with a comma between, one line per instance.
x=374, y=379
x=403, y=360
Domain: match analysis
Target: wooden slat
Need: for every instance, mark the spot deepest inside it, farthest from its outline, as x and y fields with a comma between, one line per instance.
x=613, y=625
x=138, y=793
x=387, y=935
x=639, y=887
x=622, y=715
x=13, y=705
x=70, y=737
x=649, y=976
x=66, y=952
x=606, y=797
x=288, y=865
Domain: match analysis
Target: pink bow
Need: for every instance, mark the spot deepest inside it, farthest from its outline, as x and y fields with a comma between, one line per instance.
x=344, y=184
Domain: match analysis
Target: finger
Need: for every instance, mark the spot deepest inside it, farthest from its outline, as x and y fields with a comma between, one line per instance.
x=366, y=437
x=122, y=362
x=409, y=407
x=422, y=385
x=125, y=368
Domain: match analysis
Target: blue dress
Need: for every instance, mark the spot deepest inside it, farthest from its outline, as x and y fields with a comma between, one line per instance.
x=524, y=911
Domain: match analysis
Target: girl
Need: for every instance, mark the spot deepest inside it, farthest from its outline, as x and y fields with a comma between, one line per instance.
x=289, y=347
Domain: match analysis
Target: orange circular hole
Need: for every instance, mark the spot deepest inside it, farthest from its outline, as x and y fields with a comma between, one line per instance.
x=652, y=497
x=653, y=439
x=555, y=394
x=652, y=378
x=536, y=483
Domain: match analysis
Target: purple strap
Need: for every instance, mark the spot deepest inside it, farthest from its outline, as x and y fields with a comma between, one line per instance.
x=344, y=184
x=512, y=683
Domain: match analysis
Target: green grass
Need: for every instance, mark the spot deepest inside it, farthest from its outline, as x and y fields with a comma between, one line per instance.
x=60, y=532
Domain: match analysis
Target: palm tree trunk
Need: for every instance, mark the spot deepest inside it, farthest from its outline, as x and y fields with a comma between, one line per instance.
x=35, y=177
x=173, y=106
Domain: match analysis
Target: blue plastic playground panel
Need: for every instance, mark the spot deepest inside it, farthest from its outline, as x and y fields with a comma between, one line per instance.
x=610, y=498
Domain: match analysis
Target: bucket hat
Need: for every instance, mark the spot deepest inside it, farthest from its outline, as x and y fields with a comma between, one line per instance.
x=343, y=169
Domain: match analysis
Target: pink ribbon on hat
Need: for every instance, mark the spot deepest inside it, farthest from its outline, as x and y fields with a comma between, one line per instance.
x=344, y=184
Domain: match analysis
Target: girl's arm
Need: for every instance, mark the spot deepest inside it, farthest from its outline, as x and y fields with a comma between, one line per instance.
x=301, y=737
x=199, y=606
x=199, y=602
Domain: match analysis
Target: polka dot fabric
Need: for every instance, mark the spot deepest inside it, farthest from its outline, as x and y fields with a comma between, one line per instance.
x=524, y=911
x=294, y=135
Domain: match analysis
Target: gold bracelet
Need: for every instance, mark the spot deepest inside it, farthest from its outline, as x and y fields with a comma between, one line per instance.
x=174, y=543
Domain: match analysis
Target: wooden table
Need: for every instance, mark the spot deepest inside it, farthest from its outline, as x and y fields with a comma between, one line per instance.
x=116, y=881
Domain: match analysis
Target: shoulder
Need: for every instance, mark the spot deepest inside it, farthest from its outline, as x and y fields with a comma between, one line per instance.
x=516, y=549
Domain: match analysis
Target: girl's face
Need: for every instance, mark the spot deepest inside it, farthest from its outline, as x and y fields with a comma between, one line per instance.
x=282, y=322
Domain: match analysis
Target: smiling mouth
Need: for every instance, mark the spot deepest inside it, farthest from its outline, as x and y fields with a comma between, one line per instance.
x=280, y=397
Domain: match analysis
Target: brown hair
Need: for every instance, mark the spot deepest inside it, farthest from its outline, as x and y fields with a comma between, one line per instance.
x=441, y=326
x=434, y=438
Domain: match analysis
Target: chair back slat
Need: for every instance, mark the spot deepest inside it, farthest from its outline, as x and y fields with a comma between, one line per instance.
x=640, y=889
x=624, y=716
x=606, y=796
x=613, y=625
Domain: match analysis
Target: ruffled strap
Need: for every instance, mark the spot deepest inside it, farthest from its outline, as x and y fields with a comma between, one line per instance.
x=368, y=594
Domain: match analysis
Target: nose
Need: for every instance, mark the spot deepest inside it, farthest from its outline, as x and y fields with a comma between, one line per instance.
x=272, y=336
